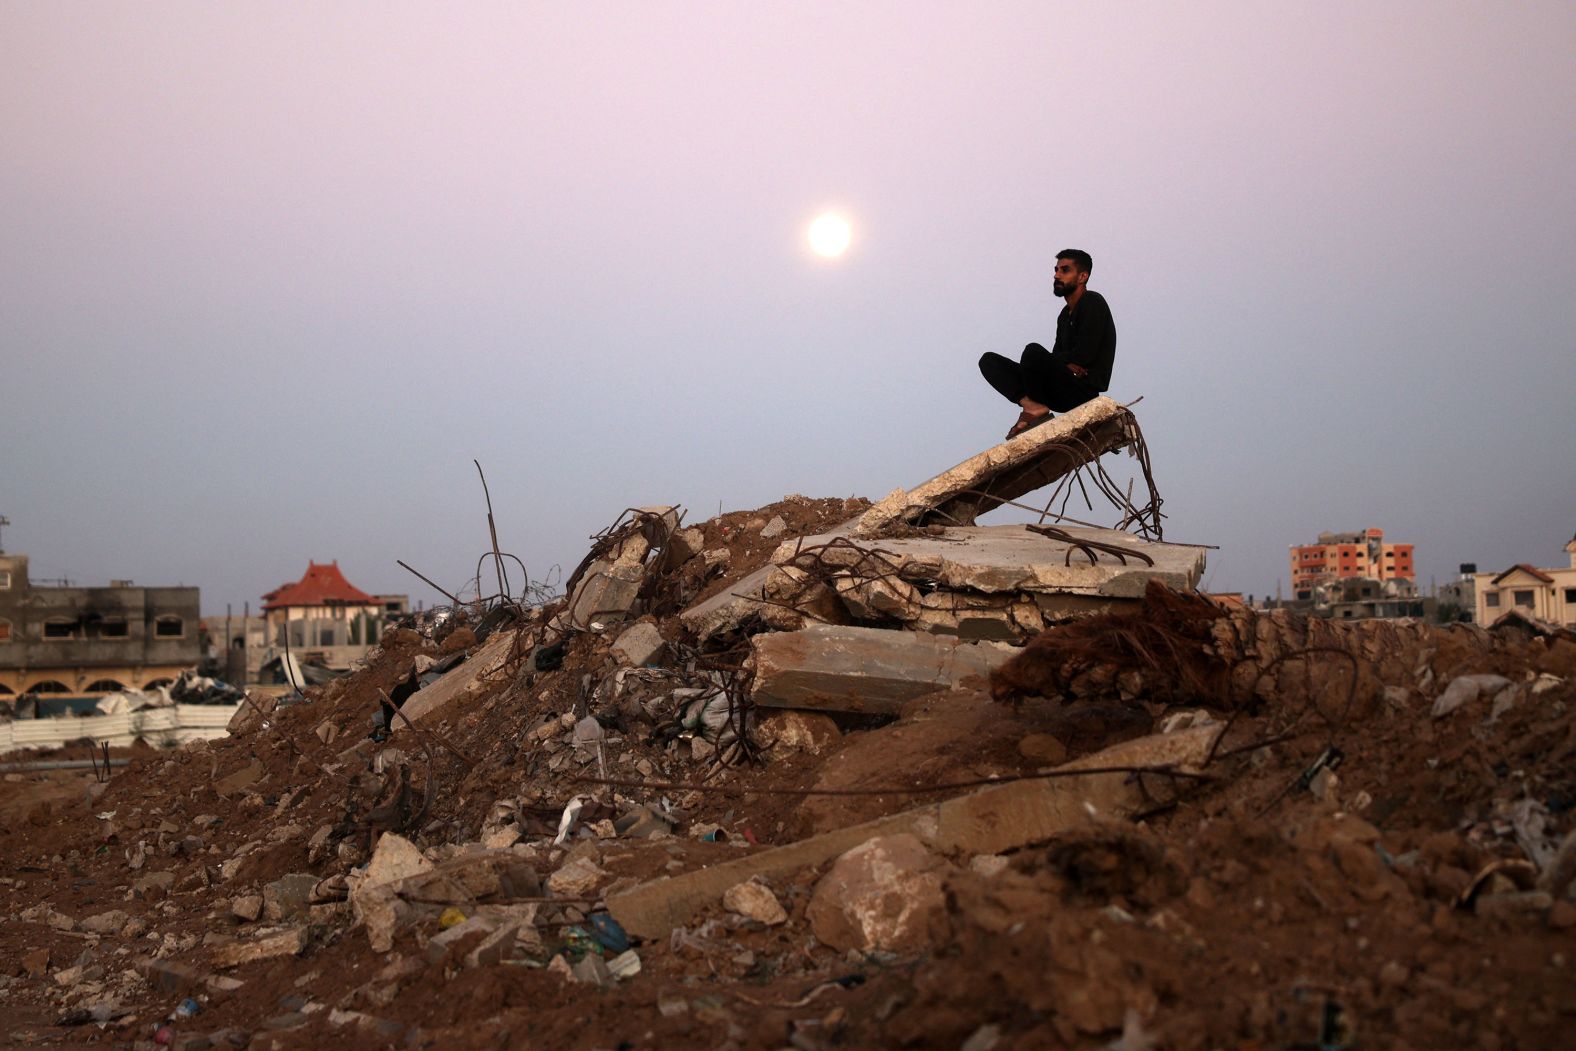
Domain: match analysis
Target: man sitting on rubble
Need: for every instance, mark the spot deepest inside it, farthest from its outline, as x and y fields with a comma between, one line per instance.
x=1076, y=368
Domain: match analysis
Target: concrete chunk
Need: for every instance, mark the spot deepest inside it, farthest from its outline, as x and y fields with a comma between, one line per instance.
x=607, y=590
x=467, y=678
x=989, y=821
x=871, y=670
x=1035, y=458
x=639, y=644
x=288, y=943
x=288, y=897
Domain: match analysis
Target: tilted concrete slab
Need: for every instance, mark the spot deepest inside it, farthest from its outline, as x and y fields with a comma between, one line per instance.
x=872, y=670
x=465, y=679
x=1035, y=458
x=1010, y=558
x=988, y=821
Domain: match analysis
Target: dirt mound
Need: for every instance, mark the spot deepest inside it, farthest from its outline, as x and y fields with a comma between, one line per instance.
x=1363, y=858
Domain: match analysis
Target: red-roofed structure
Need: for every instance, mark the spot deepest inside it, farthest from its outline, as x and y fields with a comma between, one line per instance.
x=322, y=585
x=326, y=617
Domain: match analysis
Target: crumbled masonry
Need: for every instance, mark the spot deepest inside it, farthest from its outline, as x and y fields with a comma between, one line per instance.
x=829, y=774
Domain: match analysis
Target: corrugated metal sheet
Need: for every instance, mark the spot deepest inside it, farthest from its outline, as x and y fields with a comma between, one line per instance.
x=157, y=726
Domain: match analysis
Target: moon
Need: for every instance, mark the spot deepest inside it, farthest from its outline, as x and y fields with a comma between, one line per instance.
x=829, y=235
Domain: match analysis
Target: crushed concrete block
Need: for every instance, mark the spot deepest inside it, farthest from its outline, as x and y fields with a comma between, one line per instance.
x=1035, y=458
x=495, y=948
x=592, y=970
x=288, y=897
x=111, y=922
x=1466, y=689
x=286, y=943
x=798, y=731
x=990, y=820
x=373, y=902
x=774, y=528
x=685, y=545
x=478, y=875
x=251, y=714
x=467, y=678
x=247, y=908
x=609, y=586
x=754, y=900
x=879, y=598
x=439, y=944
x=886, y=894
x=578, y=878
x=868, y=670
x=640, y=644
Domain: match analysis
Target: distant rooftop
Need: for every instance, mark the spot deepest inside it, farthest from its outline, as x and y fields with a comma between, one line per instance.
x=323, y=585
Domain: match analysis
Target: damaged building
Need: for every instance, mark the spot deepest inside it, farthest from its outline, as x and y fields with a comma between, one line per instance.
x=70, y=645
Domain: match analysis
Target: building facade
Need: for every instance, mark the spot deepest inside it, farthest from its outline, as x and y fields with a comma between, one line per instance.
x=1548, y=594
x=1347, y=556
x=92, y=640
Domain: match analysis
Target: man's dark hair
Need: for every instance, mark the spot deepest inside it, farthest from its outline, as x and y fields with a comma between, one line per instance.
x=1080, y=259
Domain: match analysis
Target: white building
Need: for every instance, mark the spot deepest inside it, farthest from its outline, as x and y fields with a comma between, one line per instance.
x=1548, y=594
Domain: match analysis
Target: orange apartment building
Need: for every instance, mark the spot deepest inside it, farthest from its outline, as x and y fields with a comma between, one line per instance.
x=1341, y=556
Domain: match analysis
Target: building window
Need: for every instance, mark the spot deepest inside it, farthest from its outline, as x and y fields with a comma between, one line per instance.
x=1522, y=598
x=1491, y=600
x=113, y=629
x=5, y=580
x=60, y=629
x=5, y=631
x=1570, y=596
x=169, y=627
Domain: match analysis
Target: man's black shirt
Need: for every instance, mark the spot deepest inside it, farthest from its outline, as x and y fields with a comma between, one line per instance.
x=1087, y=337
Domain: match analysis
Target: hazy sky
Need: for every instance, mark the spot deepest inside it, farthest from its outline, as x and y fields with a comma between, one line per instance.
x=271, y=275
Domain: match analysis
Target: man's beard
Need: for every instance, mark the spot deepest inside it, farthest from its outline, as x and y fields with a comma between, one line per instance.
x=1059, y=287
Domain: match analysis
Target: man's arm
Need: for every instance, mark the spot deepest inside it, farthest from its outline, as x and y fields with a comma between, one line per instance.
x=1088, y=342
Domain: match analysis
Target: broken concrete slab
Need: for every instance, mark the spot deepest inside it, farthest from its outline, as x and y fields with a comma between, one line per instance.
x=870, y=670
x=730, y=607
x=286, y=943
x=640, y=644
x=988, y=821
x=1011, y=558
x=467, y=678
x=1035, y=458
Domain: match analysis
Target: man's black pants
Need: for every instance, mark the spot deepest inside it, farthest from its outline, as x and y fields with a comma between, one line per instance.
x=1038, y=377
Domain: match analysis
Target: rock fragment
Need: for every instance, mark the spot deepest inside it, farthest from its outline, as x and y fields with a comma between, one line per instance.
x=885, y=894
x=754, y=900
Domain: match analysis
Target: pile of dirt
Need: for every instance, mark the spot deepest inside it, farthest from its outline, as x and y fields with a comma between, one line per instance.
x=1367, y=857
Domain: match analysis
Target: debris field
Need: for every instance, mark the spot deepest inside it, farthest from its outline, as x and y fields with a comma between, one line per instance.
x=838, y=774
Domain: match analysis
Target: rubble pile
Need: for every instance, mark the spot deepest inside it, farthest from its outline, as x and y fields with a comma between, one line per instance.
x=830, y=774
